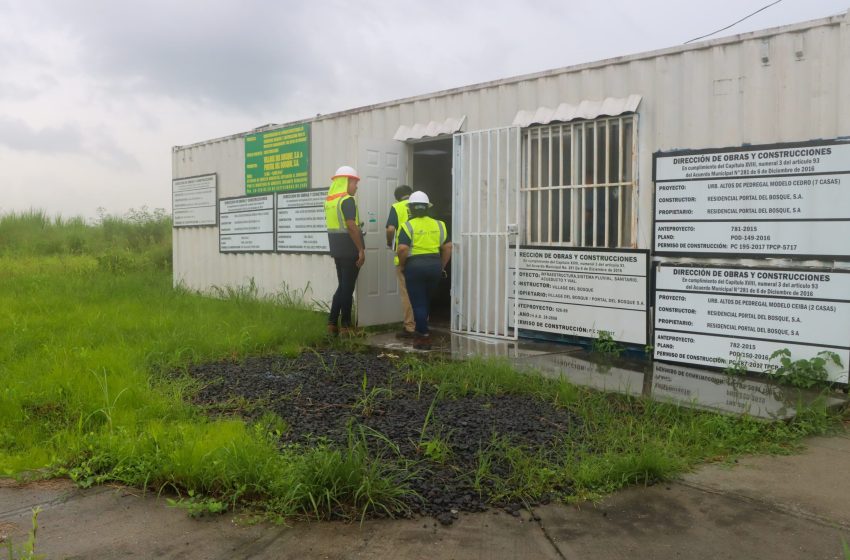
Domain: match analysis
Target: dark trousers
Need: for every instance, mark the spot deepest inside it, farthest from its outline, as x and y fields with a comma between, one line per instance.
x=346, y=275
x=422, y=276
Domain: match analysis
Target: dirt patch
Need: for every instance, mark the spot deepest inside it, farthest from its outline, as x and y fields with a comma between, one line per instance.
x=9, y=530
x=44, y=484
x=318, y=393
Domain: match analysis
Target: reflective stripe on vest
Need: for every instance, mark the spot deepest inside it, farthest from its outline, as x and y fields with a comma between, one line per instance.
x=337, y=194
x=401, y=215
x=426, y=235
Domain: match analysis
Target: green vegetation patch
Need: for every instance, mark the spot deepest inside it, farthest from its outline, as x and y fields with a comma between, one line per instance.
x=622, y=440
x=91, y=324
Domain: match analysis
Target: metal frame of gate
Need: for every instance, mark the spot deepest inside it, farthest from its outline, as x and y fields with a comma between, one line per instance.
x=485, y=222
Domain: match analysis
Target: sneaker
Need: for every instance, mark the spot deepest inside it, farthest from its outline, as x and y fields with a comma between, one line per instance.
x=403, y=334
x=333, y=330
x=422, y=342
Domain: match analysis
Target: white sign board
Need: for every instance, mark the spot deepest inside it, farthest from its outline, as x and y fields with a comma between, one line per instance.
x=246, y=224
x=581, y=292
x=791, y=200
x=719, y=316
x=193, y=201
x=301, y=223
x=814, y=284
x=774, y=238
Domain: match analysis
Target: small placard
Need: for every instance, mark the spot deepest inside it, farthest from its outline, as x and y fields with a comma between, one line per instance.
x=246, y=224
x=193, y=201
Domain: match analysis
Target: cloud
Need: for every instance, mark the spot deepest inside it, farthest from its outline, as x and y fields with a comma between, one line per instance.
x=11, y=90
x=68, y=138
x=247, y=55
x=93, y=93
x=16, y=134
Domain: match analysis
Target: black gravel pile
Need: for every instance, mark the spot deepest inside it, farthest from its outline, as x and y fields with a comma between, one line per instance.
x=318, y=393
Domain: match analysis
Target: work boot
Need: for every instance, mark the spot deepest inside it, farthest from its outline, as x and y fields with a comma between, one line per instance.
x=349, y=331
x=422, y=341
x=333, y=331
x=404, y=335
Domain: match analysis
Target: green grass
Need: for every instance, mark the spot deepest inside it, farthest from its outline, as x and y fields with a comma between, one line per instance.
x=142, y=232
x=90, y=323
x=621, y=440
x=479, y=376
x=77, y=347
x=85, y=337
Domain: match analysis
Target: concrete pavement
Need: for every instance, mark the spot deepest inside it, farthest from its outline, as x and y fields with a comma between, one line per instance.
x=762, y=507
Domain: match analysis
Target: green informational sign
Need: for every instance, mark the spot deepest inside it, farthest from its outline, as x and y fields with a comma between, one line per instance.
x=278, y=160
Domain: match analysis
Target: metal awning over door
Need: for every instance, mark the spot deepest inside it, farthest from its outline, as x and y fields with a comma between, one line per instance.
x=485, y=218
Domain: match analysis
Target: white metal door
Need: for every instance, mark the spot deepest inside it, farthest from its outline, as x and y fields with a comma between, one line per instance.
x=382, y=166
x=485, y=218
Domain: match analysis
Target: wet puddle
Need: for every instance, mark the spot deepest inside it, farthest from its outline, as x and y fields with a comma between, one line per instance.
x=672, y=383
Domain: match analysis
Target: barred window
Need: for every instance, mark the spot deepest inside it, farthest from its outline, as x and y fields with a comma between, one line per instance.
x=578, y=184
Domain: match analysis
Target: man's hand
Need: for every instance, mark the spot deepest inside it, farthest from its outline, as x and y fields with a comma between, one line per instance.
x=361, y=258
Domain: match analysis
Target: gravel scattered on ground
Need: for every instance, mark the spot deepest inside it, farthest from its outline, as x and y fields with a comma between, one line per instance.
x=318, y=393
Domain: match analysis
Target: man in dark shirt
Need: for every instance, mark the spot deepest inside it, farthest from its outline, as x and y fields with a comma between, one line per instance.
x=398, y=215
x=345, y=241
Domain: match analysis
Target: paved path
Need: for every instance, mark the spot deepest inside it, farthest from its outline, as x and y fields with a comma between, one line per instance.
x=774, y=508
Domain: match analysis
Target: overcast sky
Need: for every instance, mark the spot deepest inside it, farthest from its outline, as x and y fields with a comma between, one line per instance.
x=94, y=93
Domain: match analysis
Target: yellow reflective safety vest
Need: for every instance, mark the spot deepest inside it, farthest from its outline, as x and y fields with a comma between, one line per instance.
x=333, y=206
x=402, y=215
x=426, y=235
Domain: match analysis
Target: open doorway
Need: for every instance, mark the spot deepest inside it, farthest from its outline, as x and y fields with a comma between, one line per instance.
x=432, y=173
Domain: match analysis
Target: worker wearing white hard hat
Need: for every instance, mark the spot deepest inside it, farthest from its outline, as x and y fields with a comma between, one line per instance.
x=345, y=241
x=424, y=250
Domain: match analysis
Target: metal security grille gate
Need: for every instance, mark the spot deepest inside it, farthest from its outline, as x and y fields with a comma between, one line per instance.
x=486, y=212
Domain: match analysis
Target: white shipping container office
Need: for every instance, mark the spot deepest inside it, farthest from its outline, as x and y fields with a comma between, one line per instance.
x=557, y=159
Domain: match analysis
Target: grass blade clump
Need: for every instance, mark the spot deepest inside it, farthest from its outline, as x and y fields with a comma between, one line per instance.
x=619, y=441
x=92, y=325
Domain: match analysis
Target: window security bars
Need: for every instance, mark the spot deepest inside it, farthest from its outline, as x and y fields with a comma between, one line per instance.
x=579, y=183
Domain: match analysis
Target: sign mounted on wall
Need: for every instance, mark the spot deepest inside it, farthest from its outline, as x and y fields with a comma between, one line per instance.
x=246, y=224
x=712, y=316
x=579, y=292
x=193, y=201
x=789, y=200
x=278, y=160
x=301, y=226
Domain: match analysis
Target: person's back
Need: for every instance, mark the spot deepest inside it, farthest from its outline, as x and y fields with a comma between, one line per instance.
x=426, y=235
x=398, y=215
x=423, y=250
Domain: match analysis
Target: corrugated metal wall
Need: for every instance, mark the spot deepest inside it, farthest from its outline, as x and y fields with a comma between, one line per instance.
x=780, y=85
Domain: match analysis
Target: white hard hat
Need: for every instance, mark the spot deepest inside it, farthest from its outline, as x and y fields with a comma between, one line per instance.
x=346, y=171
x=419, y=197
